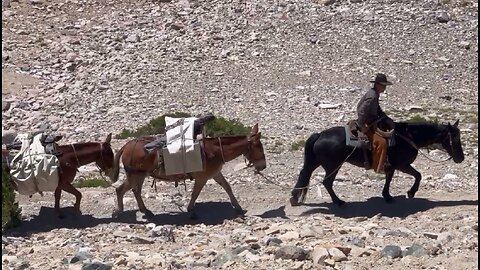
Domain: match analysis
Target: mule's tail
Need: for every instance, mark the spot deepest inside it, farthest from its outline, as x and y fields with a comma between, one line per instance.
x=116, y=164
x=299, y=192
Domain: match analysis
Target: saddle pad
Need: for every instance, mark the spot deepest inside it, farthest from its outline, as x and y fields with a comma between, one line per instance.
x=353, y=140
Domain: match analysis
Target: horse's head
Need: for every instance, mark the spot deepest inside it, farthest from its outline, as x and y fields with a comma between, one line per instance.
x=105, y=162
x=451, y=142
x=255, y=154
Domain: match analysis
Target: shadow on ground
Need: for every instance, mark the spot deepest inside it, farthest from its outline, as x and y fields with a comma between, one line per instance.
x=401, y=207
x=209, y=213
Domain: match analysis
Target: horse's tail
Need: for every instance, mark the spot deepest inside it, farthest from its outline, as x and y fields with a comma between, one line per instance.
x=299, y=192
x=116, y=164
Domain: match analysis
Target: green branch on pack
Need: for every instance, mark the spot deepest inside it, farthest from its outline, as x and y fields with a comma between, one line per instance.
x=220, y=126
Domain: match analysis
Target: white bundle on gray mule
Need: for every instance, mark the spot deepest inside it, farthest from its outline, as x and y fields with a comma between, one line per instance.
x=32, y=169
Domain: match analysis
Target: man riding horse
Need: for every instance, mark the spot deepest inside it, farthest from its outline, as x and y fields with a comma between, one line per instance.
x=369, y=116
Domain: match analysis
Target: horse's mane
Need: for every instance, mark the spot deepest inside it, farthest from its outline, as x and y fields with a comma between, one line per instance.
x=421, y=126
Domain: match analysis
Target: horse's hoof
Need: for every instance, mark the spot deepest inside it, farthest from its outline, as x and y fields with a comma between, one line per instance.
x=339, y=202
x=389, y=199
x=240, y=212
x=294, y=202
x=116, y=214
x=148, y=214
x=193, y=216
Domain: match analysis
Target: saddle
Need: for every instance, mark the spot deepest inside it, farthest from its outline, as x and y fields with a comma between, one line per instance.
x=353, y=138
x=49, y=141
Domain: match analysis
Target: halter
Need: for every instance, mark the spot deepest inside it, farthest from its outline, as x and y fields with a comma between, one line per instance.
x=75, y=153
x=101, y=156
x=249, y=148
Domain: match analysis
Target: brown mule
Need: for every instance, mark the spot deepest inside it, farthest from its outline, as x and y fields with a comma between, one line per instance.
x=77, y=155
x=139, y=164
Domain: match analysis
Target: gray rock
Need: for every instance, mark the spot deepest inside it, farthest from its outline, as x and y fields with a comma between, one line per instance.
x=133, y=38
x=272, y=241
x=291, y=253
x=337, y=255
x=224, y=256
x=356, y=241
x=442, y=16
x=391, y=251
x=414, y=250
x=96, y=265
x=319, y=255
x=82, y=254
x=5, y=105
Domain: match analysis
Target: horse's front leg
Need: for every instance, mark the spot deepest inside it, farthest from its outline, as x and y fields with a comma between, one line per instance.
x=408, y=169
x=58, y=195
x=386, y=188
x=220, y=179
x=197, y=187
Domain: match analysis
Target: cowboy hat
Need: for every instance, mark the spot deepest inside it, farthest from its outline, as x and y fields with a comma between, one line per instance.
x=381, y=79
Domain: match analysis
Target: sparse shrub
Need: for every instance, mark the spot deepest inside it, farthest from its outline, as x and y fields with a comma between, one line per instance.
x=223, y=127
x=218, y=127
x=297, y=145
x=418, y=118
x=10, y=210
x=91, y=182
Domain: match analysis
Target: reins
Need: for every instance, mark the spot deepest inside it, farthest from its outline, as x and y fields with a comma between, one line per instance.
x=409, y=141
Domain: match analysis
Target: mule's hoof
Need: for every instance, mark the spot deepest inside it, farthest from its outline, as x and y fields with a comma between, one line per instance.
x=294, y=202
x=148, y=214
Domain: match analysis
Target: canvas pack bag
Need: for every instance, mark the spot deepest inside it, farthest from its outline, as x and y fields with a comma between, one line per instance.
x=182, y=153
x=32, y=169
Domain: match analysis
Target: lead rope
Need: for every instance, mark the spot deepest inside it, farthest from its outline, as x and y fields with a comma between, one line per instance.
x=221, y=149
x=309, y=186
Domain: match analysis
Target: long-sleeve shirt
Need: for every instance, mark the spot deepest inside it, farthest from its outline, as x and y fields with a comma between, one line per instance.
x=368, y=108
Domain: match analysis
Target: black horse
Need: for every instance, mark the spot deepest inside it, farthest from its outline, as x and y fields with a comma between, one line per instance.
x=329, y=150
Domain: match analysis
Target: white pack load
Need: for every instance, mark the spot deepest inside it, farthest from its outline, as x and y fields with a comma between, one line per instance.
x=182, y=153
x=32, y=169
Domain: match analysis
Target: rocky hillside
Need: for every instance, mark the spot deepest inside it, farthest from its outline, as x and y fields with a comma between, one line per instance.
x=88, y=68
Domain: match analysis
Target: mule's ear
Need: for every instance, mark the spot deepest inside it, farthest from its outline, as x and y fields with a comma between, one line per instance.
x=109, y=138
x=456, y=123
x=254, y=129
